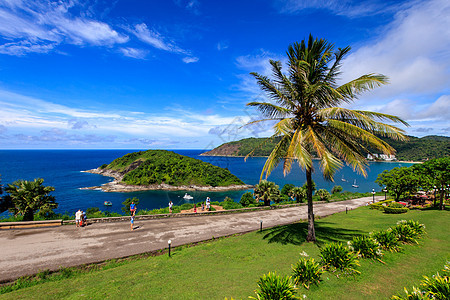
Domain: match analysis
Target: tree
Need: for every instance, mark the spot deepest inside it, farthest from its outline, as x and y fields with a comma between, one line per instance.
x=399, y=181
x=439, y=172
x=305, y=104
x=247, y=199
x=27, y=197
x=336, y=189
x=299, y=193
x=267, y=191
x=126, y=204
x=323, y=194
x=287, y=189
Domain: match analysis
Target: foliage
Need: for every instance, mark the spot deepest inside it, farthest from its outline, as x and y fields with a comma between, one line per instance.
x=27, y=197
x=339, y=257
x=229, y=203
x=267, y=191
x=394, y=210
x=387, y=239
x=380, y=205
x=405, y=233
x=299, y=194
x=287, y=188
x=323, y=194
x=366, y=246
x=415, y=225
x=336, y=189
x=306, y=272
x=437, y=171
x=126, y=204
x=395, y=205
x=400, y=182
x=275, y=287
x=247, y=199
x=160, y=166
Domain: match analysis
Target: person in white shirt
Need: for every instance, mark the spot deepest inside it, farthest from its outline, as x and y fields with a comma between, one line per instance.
x=78, y=217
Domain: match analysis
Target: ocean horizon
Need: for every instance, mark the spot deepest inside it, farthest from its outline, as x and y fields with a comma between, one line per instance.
x=63, y=169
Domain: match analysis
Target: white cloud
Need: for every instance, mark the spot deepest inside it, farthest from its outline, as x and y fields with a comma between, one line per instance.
x=412, y=51
x=189, y=60
x=346, y=8
x=222, y=45
x=155, y=39
x=134, y=53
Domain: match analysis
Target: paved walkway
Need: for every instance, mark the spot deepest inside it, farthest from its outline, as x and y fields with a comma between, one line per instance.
x=27, y=251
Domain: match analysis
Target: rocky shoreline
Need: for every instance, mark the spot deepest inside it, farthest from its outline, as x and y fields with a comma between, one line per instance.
x=117, y=186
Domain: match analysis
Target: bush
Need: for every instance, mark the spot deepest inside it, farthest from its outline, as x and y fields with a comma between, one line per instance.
x=415, y=225
x=306, y=272
x=395, y=205
x=274, y=287
x=339, y=257
x=380, y=205
x=247, y=199
x=392, y=210
x=323, y=195
x=388, y=240
x=336, y=189
x=366, y=246
x=228, y=203
x=405, y=233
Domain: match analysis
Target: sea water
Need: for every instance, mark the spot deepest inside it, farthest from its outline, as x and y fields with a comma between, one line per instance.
x=63, y=169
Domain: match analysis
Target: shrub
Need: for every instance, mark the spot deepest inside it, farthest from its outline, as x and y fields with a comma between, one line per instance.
x=415, y=225
x=405, y=233
x=380, y=205
x=395, y=205
x=274, y=287
x=247, y=199
x=228, y=203
x=415, y=294
x=437, y=287
x=366, y=246
x=306, y=272
x=336, y=255
x=323, y=194
x=388, y=240
x=392, y=210
x=336, y=189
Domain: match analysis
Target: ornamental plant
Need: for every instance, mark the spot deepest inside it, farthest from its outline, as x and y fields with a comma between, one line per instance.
x=306, y=272
x=387, y=239
x=366, y=246
x=339, y=257
x=405, y=234
x=415, y=225
x=274, y=287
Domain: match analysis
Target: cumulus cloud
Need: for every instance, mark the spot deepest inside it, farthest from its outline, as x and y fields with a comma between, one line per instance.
x=412, y=51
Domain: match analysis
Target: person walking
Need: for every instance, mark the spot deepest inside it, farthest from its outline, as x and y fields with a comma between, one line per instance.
x=132, y=222
x=170, y=206
x=195, y=208
x=132, y=208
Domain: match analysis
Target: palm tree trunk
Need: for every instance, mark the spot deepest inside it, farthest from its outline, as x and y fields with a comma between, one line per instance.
x=311, y=237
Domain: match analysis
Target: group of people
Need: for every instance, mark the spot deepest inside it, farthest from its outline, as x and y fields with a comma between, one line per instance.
x=207, y=204
x=80, y=218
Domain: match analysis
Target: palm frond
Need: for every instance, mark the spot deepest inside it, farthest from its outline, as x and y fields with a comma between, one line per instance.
x=352, y=89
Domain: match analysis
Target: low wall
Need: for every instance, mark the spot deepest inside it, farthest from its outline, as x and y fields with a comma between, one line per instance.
x=30, y=224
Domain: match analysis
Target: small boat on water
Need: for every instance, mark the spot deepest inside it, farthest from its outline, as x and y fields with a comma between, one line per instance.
x=355, y=185
x=343, y=179
x=107, y=203
x=187, y=197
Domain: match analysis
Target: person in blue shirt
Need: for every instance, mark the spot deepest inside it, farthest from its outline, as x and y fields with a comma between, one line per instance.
x=132, y=222
x=132, y=209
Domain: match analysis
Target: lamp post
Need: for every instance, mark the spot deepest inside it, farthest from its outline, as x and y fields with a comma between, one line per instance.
x=434, y=205
x=373, y=195
x=170, y=243
x=385, y=191
x=260, y=227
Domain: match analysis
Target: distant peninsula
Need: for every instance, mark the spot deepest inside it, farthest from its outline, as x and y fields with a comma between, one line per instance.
x=165, y=170
x=415, y=149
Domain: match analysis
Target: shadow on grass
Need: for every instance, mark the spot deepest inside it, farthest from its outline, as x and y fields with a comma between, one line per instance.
x=296, y=233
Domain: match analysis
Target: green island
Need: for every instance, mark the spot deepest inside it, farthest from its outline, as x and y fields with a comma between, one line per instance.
x=415, y=149
x=162, y=169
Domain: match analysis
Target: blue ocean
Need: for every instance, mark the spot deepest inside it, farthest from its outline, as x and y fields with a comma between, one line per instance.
x=62, y=169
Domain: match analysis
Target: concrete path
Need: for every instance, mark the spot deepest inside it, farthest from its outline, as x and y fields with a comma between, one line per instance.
x=27, y=251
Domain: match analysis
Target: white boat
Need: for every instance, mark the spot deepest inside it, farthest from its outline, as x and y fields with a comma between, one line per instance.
x=187, y=197
x=355, y=185
x=343, y=179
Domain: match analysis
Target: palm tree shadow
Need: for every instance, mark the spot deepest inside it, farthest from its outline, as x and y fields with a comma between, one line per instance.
x=296, y=233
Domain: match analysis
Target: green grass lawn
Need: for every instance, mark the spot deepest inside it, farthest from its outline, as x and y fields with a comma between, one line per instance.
x=230, y=267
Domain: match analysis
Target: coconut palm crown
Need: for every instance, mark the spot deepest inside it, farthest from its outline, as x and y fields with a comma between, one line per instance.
x=306, y=105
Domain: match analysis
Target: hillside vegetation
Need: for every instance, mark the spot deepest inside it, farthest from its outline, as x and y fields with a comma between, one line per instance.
x=161, y=166
x=416, y=149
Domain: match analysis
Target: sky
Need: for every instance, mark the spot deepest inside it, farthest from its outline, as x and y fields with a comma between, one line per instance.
x=174, y=74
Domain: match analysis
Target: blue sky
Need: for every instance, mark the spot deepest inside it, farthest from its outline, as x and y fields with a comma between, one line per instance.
x=174, y=74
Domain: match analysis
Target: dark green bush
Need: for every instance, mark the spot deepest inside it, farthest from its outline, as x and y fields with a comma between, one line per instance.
x=395, y=205
x=247, y=199
x=336, y=189
x=392, y=210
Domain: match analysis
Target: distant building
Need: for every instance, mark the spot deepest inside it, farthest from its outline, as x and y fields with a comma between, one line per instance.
x=373, y=156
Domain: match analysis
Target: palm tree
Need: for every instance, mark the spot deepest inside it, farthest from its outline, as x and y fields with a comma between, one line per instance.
x=299, y=193
x=27, y=197
x=266, y=191
x=310, y=121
